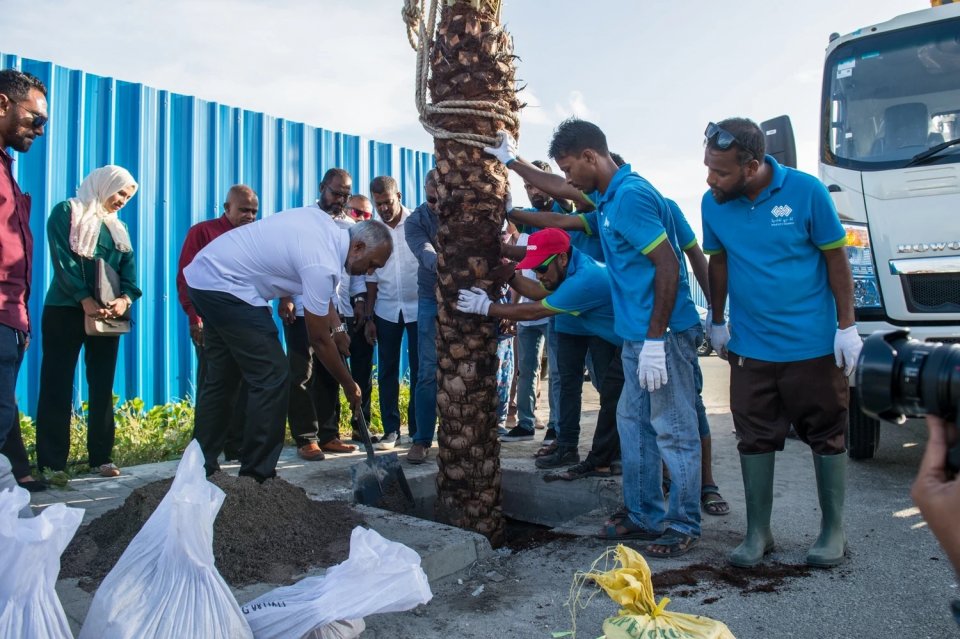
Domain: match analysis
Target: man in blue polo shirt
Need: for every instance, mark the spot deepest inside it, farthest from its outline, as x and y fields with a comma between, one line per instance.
x=777, y=245
x=660, y=327
x=574, y=287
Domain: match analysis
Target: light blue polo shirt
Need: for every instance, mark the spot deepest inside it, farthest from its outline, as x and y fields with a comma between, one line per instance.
x=782, y=308
x=584, y=298
x=589, y=243
x=686, y=238
x=632, y=219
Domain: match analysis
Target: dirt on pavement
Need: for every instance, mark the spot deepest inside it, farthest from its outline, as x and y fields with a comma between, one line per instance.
x=267, y=532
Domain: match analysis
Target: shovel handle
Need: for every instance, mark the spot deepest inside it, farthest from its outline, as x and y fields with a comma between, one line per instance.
x=364, y=431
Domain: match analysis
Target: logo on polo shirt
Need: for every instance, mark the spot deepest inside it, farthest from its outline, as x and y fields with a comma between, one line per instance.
x=781, y=215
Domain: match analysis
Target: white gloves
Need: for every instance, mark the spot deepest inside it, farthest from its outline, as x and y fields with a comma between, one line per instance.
x=473, y=301
x=719, y=336
x=653, y=365
x=846, y=348
x=506, y=150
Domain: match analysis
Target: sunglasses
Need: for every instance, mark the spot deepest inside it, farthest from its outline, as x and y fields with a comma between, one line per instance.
x=39, y=121
x=724, y=139
x=359, y=213
x=542, y=269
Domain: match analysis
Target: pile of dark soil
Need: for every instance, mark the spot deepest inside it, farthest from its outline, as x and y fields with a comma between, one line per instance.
x=697, y=577
x=266, y=532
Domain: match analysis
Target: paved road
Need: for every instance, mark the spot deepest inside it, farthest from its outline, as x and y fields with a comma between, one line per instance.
x=896, y=582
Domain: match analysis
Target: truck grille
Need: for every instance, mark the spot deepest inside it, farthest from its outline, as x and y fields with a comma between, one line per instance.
x=932, y=293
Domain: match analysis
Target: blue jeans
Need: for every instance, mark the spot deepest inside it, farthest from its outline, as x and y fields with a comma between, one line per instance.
x=389, y=341
x=528, y=342
x=426, y=391
x=662, y=425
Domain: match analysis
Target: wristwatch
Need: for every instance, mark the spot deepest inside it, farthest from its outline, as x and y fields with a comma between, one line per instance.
x=340, y=329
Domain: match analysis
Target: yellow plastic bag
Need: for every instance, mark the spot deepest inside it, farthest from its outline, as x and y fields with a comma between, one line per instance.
x=640, y=617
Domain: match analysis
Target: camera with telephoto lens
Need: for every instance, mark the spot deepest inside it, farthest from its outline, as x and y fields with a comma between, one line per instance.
x=899, y=377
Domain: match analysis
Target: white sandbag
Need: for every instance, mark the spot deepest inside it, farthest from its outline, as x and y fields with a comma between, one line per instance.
x=338, y=630
x=165, y=583
x=379, y=576
x=7, y=481
x=30, y=552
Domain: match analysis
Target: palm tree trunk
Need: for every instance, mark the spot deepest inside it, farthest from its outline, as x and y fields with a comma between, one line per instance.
x=471, y=59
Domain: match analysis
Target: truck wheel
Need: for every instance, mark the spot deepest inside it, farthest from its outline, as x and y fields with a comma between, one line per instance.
x=863, y=435
x=705, y=348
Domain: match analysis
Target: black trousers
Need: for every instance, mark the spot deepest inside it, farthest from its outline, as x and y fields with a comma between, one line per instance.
x=63, y=336
x=238, y=403
x=11, y=441
x=766, y=397
x=241, y=341
x=361, y=367
x=314, y=407
x=571, y=356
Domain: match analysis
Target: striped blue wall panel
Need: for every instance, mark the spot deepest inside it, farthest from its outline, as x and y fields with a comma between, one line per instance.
x=185, y=153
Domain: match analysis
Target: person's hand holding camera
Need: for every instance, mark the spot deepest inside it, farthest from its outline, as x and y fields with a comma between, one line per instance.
x=935, y=493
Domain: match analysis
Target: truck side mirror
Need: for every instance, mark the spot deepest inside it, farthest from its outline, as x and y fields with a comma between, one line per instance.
x=779, y=140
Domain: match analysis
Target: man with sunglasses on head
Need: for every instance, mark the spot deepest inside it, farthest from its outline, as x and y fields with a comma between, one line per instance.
x=23, y=115
x=776, y=244
x=314, y=404
x=421, y=236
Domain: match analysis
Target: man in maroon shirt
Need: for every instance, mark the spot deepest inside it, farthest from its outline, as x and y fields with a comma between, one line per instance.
x=23, y=114
x=240, y=208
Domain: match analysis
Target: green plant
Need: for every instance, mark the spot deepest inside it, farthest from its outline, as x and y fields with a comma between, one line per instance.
x=162, y=432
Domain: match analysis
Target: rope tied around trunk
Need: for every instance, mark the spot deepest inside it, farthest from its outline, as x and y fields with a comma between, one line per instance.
x=421, y=23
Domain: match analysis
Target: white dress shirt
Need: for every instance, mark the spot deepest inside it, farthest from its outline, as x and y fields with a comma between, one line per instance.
x=348, y=286
x=299, y=252
x=397, y=279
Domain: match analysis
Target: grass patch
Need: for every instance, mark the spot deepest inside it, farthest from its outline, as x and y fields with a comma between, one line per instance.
x=161, y=433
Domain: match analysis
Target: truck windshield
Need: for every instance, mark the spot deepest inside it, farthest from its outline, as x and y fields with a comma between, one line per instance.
x=891, y=96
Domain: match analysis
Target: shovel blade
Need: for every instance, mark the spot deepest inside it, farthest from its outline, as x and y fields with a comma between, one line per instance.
x=380, y=482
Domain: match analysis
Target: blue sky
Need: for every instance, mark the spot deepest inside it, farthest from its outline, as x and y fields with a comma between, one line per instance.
x=651, y=74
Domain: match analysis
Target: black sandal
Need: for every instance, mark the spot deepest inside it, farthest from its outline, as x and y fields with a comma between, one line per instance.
x=712, y=501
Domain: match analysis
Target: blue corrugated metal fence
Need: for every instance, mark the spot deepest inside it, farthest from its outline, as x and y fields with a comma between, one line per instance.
x=185, y=153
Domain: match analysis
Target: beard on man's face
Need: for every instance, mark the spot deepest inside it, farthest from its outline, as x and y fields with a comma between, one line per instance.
x=722, y=197
x=541, y=202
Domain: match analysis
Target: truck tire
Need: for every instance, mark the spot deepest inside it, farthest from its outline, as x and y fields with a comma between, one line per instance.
x=863, y=435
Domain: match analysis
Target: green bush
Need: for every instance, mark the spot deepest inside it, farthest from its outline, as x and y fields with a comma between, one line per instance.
x=163, y=432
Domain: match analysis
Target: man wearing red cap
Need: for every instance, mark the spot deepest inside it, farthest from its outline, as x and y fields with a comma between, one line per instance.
x=573, y=284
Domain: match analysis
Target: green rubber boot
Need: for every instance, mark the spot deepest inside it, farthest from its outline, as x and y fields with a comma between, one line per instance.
x=830, y=546
x=758, y=490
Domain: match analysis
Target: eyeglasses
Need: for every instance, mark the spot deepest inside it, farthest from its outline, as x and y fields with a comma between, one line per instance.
x=338, y=194
x=39, y=121
x=725, y=139
x=542, y=269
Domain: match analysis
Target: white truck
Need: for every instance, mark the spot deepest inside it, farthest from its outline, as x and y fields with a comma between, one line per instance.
x=890, y=157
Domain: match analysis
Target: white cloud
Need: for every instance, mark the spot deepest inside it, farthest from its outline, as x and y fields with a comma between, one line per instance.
x=575, y=105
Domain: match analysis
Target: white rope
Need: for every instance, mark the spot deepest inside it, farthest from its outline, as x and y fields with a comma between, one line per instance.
x=421, y=27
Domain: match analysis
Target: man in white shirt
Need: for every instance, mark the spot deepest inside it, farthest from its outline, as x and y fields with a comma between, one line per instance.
x=392, y=294
x=231, y=282
x=314, y=409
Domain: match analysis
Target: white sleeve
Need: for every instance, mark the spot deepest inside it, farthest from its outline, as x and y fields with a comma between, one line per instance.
x=319, y=287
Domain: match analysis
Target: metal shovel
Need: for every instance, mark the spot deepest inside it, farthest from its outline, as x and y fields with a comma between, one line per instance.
x=379, y=480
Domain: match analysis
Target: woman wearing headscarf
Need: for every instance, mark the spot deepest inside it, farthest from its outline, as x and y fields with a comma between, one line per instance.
x=79, y=231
